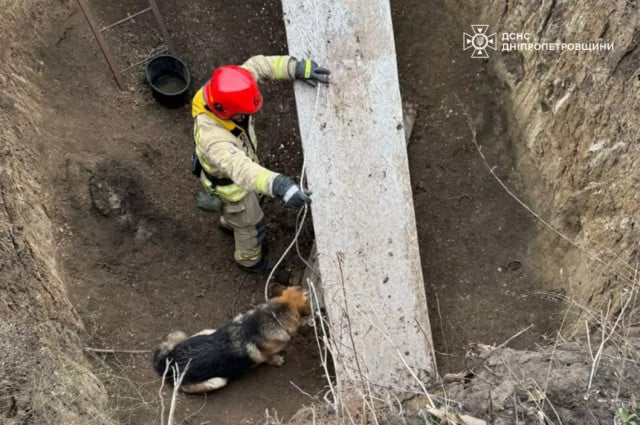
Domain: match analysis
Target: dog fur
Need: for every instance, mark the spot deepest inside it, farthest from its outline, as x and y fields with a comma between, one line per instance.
x=255, y=337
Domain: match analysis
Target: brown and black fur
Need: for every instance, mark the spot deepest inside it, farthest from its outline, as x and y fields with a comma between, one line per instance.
x=215, y=356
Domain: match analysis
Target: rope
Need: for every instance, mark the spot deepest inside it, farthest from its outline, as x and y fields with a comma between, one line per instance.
x=302, y=215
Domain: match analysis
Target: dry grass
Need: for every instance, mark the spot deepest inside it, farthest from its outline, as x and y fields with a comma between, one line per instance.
x=42, y=382
x=128, y=399
x=44, y=378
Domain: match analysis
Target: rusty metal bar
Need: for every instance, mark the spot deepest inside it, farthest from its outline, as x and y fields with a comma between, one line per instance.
x=155, y=52
x=101, y=42
x=163, y=28
x=125, y=19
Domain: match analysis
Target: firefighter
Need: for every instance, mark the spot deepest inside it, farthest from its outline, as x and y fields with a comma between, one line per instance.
x=225, y=158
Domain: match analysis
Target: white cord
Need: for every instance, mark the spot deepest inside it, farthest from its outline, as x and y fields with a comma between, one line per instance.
x=299, y=220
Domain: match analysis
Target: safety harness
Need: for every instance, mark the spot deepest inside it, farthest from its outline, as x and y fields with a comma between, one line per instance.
x=222, y=187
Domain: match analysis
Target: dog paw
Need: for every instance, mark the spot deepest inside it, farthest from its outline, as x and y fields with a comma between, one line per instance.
x=276, y=360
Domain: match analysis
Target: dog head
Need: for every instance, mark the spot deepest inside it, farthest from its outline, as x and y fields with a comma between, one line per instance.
x=295, y=297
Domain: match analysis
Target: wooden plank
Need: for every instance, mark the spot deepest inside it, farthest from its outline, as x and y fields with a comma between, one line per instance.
x=356, y=163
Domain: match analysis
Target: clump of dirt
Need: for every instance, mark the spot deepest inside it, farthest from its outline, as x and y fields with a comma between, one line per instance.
x=567, y=383
x=555, y=383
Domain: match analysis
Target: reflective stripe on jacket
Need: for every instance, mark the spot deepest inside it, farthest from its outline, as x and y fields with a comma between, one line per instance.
x=225, y=149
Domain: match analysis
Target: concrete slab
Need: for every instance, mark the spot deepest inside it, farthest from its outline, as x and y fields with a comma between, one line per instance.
x=356, y=162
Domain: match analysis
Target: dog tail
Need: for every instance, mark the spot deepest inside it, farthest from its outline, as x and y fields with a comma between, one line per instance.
x=161, y=360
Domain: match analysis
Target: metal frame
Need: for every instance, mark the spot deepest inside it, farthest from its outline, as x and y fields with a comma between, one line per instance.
x=104, y=47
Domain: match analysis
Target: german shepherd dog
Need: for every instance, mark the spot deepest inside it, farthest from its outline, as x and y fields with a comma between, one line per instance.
x=212, y=357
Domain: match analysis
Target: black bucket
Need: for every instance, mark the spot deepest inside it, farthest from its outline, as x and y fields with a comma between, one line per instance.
x=169, y=79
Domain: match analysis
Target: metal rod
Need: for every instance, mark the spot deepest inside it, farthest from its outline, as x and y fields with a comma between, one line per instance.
x=125, y=19
x=155, y=52
x=163, y=28
x=101, y=42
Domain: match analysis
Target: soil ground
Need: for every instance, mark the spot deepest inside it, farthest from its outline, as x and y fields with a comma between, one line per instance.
x=483, y=285
x=140, y=260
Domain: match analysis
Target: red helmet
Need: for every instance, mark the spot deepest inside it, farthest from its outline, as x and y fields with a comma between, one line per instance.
x=232, y=90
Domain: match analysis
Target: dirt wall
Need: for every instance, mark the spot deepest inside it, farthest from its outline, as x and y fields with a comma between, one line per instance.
x=574, y=130
x=43, y=375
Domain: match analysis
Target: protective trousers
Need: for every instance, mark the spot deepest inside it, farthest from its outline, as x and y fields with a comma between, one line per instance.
x=247, y=221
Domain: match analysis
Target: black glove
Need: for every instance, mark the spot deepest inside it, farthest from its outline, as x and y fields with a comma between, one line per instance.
x=309, y=71
x=290, y=193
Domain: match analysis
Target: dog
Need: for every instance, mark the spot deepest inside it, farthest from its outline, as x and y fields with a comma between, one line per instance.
x=212, y=357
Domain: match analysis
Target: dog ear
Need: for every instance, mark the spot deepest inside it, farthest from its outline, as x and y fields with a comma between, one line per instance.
x=276, y=290
x=305, y=307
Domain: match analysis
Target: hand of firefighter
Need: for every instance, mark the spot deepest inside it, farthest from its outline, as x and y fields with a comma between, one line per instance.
x=291, y=194
x=309, y=71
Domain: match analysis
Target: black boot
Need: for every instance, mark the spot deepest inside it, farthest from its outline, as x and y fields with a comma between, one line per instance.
x=262, y=266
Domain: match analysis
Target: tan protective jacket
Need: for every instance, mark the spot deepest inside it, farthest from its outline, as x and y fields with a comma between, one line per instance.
x=225, y=155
